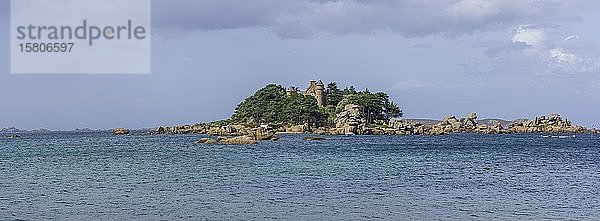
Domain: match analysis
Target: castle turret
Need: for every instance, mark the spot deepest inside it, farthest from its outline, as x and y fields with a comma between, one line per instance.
x=316, y=89
x=320, y=94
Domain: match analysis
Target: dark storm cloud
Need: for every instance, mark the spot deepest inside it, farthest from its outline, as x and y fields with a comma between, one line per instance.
x=309, y=18
x=216, y=14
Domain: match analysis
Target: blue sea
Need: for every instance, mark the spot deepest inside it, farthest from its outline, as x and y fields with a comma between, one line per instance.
x=98, y=176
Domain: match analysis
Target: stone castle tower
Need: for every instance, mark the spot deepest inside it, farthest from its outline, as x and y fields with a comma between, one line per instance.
x=315, y=89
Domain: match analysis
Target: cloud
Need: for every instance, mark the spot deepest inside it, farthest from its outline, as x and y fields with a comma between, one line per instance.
x=539, y=51
x=566, y=62
x=550, y=47
x=560, y=56
x=529, y=35
x=313, y=18
x=216, y=14
x=572, y=37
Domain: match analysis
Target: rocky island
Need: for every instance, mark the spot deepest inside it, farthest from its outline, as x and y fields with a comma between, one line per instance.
x=120, y=131
x=11, y=130
x=328, y=110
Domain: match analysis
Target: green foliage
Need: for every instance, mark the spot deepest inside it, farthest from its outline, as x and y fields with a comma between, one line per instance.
x=330, y=113
x=334, y=94
x=262, y=107
x=220, y=123
x=271, y=105
x=375, y=106
x=300, y=109
x=350, y=90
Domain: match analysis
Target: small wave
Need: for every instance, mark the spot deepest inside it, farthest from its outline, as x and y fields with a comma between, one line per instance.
x=560, y=137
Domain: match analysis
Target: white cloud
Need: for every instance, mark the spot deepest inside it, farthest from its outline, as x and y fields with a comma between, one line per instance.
x=571, y=37
x=553, y=53
x=560, y=56
x=529, y=35
x=475, y=9
x=536, y=50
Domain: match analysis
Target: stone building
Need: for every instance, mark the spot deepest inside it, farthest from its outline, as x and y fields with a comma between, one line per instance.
x=315, y=89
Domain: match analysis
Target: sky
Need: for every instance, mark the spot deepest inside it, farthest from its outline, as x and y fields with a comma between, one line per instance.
x=505, y=59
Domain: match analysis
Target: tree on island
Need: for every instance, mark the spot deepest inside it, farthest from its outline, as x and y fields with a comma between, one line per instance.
x=376, y=106
x=301, y=109
x=271, y=104
x=334, y=94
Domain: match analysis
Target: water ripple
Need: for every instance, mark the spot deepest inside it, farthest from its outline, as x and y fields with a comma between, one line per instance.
x=97, y=176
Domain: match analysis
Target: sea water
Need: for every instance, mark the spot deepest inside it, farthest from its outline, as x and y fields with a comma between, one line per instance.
x=98, y=176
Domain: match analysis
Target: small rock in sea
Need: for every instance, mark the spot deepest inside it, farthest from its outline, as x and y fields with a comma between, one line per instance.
x=274, y=138
x=219, y=139
x=314, y=138
x=203, y=140
x=207, y=141
x=239, y=140
x=120, y=131
x=14, y=136
x=210, y=141
x=228, y=140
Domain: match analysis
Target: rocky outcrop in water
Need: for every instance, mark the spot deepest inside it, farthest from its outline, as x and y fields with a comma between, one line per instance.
x=239, y=140
x=497, y=128
x=13, y=136
x=230, y=130
x=350, y=121
x=552, y=124
x=11, y=130
x=182, y=129
x=41, y=131
x=400, y=127
x=263, y=133
x=120, y=131
x=237, y=134
x=298, y=129
x=451, y=124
